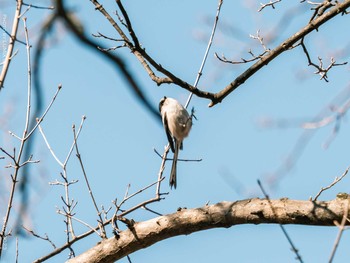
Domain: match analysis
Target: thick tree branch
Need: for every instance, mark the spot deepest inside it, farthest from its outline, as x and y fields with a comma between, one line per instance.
x=224, y=214
x=147, y=61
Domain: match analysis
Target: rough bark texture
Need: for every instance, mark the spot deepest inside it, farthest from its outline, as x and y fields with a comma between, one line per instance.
x=224, y=214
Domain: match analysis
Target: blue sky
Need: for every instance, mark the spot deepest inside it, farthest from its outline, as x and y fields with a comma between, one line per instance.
x=119, y=135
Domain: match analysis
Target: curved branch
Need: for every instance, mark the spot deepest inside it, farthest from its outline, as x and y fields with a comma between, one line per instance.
x=147, y=61
x=224, y=214
x=286, y=45
x=117, y=61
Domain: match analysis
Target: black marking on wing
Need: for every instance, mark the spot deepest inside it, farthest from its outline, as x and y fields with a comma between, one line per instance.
x=168, y=134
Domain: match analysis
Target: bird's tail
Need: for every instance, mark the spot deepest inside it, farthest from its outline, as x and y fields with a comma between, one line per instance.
x=172, y=181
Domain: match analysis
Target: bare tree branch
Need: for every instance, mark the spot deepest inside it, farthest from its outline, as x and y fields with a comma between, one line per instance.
x=336, y=180
x=339, y=8
x=145, y=59
x=39, y=7
x=271, y=3
x=210, y=42
x=11, y=44
x=103, y=231
x=224, y=214
x=254, y=57
x=320, y=70
x=17, y=159
x=46, y=238
x=143, y=56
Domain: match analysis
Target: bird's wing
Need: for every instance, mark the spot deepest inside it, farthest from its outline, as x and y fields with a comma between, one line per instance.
x=168, y=134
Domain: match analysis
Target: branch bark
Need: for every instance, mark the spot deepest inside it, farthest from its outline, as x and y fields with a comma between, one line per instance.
x=224, y=214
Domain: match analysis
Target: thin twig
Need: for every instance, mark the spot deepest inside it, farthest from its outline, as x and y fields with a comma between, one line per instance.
x=25, y=11
x=161, y=169
x=77, y=238
x=40, y=7
x=70, y=204
x=152, y=211
x=46, y=238
x=271, y=3
x=200, y=72
x=17, y=249
x=17, y=160
x=254, y=57
x=340, y=232
x=49, y=146
x=62, y=164
x=74, y=141
x=141, y=190
x=40, y=120
x=320, y=70
x=181, y=160
x=64, y=213
x=14, y=53
x=336, y=180
x=29, y=161
x=294, y=249
x=107, y=37
x=103, y=231
x=29, y=81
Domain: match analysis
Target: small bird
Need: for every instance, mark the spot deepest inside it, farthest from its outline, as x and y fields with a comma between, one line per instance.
x=177, y=124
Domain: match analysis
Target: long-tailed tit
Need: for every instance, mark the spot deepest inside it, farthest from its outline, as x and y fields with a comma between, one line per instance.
x=177, y=124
